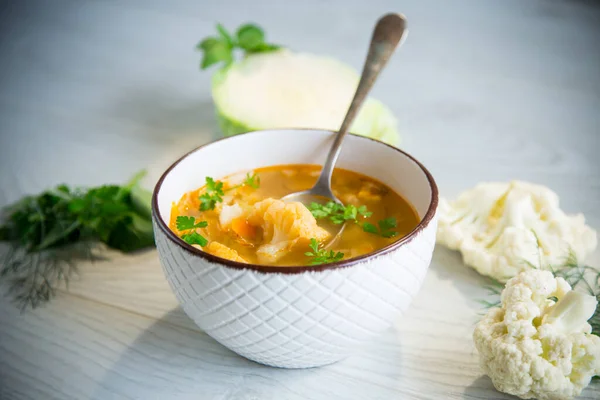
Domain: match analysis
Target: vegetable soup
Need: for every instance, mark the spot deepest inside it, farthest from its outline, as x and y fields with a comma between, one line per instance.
x=241, y=217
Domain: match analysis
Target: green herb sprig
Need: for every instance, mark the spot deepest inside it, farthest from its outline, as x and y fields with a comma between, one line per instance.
x=185, y=223
x=251, y=180
x=214, y=190
x=338, y=213
x=194, y=238
x=213, y=195
x=321, y=256
x=49, y=233
x=220, y=49
x=384, y=228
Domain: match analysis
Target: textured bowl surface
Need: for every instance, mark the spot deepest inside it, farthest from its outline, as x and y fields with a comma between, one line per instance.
x=296, y=317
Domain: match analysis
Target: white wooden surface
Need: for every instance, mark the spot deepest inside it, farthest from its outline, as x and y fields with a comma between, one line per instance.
x=92, y=91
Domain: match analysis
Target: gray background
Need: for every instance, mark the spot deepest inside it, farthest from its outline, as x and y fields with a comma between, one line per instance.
x=93, y=91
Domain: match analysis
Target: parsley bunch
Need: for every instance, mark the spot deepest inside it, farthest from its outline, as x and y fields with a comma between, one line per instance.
x=322, y=256
x=48, y=233
x=219, y=49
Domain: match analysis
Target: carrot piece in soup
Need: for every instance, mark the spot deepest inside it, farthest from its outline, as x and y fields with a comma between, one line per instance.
x=242, y=228
x=220, y=250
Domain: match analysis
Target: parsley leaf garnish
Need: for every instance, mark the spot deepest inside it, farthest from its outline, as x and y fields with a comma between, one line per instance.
x=213, y=195
x=194, y=238
x=214, y=190
x=184, y=223
x=252, y=180
x=362, y=211
x=338, y=213
x=322, y=256
x=219, y=49
x=369, y=227
x=384, y=227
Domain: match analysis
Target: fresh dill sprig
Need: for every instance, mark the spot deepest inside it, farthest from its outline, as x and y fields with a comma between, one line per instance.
x=494, y=288
x=34, y=277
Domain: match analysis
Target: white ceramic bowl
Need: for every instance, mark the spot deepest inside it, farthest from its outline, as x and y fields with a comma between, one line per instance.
x=302, y=316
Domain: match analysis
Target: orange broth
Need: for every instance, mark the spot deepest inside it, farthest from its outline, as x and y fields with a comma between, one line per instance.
x=244, y=236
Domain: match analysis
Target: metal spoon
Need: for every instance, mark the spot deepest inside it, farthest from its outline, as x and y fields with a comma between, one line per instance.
x=388, y=32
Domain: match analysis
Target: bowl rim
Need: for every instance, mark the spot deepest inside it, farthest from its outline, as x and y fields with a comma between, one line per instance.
x=294, y=269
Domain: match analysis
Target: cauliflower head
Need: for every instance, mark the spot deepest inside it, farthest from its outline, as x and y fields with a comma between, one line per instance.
x=284, y=225
x=502, y=229
x=535, y=347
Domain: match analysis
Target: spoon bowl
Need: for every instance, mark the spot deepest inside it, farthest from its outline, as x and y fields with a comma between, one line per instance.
x=307, y=197
x=387, y=35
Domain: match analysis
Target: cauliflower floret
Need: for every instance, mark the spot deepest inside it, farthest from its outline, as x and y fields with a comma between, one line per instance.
x=532, y=347
x=371, y=192
x=220, y=250
x=284, y=225
x=502, y=229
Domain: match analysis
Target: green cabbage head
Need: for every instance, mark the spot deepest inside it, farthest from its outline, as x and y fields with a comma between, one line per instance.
x=285, y=89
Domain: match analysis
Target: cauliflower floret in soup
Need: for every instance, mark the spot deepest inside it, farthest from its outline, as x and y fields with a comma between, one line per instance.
x=284, y=225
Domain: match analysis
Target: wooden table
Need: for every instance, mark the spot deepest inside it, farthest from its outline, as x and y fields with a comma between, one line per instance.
x=93, y=91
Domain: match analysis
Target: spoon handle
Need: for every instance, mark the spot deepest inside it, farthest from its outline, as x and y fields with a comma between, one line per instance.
x=388, y=32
